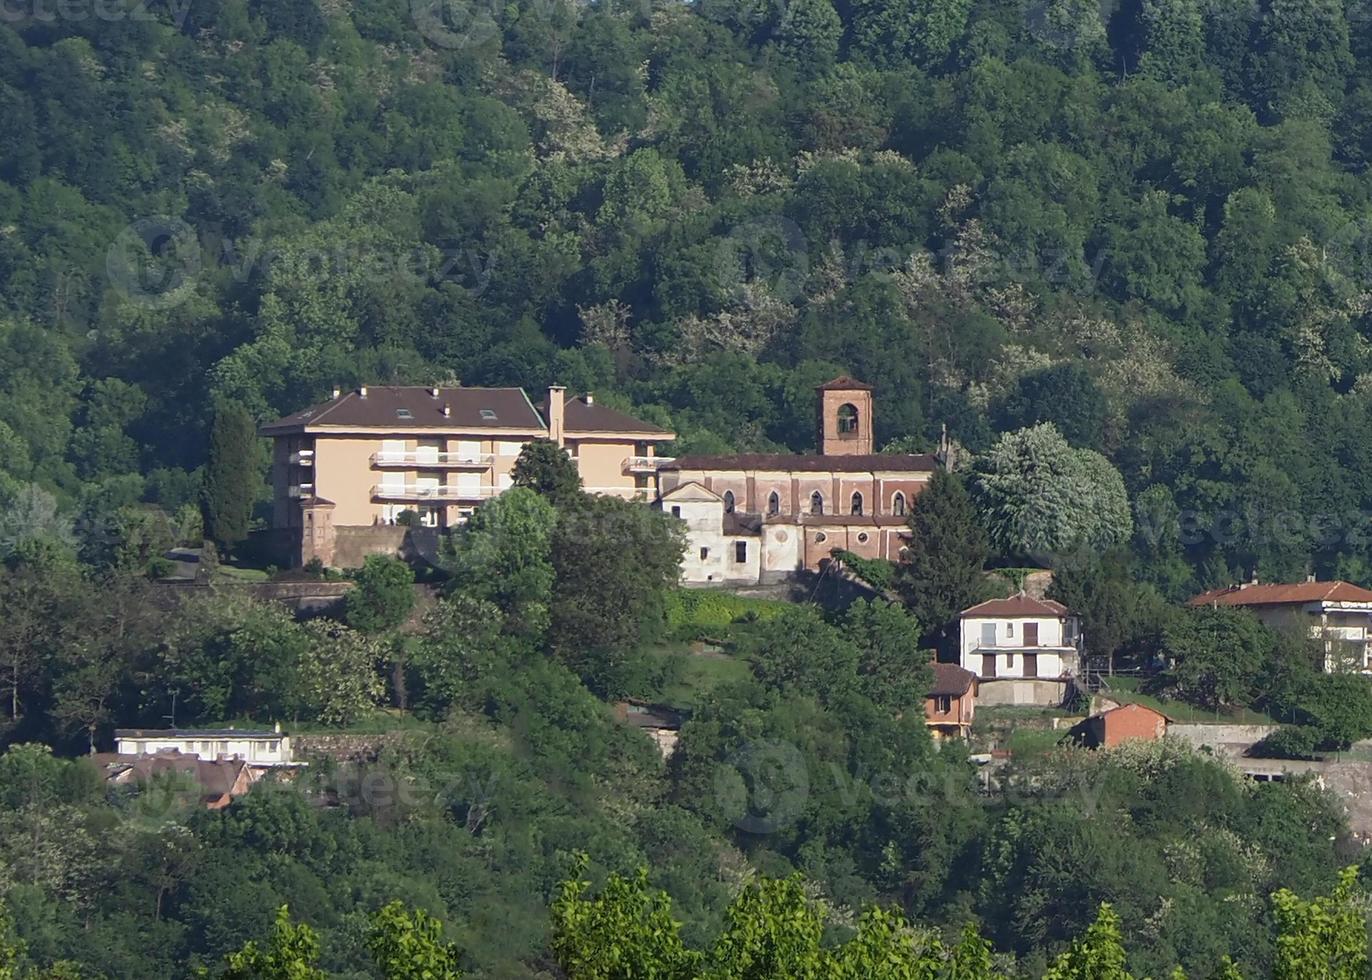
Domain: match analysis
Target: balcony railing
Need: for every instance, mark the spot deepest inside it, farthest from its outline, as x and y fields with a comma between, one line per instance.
x=646, y=464
x=409, y=491
x=302, y=490
x=478, y=461
x=303, y=458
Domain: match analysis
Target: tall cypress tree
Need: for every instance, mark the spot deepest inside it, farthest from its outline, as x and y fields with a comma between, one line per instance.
x=942, y=572
x=231, y=476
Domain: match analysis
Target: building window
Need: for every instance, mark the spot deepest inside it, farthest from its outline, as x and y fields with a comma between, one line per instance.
x=945, y=704
x=728, y=501
x=821, y=537
x=704, y=553
x=862, y=538
x=773, y=504
x=1009, y=629
x=857, y=504
x=847, y=419
x=816, y=503
x=676, y=512
x=898, y=504
x=740, y=551
x=1010, y=661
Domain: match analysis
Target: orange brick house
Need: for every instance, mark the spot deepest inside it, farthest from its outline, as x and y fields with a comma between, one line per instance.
x=1118, y=725
x=755, y=517
x=951, y=701
x=347, y=473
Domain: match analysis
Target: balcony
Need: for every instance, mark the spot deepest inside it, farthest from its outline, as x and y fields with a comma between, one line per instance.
x=410, y=491
x=303, y=458
x=301, y=490
x=454, y=461
x=646, y=464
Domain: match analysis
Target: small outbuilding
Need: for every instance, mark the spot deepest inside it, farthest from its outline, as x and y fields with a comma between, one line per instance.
x=951, y=701
x=1128, y=721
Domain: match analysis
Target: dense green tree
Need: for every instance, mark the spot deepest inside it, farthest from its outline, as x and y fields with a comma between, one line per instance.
x=501, y=554
x=1064, y=395
x=382, y=597
x=407, y=944
x=941, y=573
x=545, y=468
x=231, y=476
x=892, y=669
x=613, y=560
x=1216, y=656
x=1038, y=496
x=290, y=954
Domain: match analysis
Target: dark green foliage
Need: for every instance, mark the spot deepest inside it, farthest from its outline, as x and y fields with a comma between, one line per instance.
x=942, y=571
x=232, y=478
x=614, y=562
x=545, y=468
x=383, y=596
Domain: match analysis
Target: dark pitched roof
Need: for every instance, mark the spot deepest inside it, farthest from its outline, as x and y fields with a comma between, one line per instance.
x=844, y=383
x=582, y=417
x=950, y=681
x=878, y=462
x=413, y=407
x=1281, y=595
x=740, y=523
x=1018, y=605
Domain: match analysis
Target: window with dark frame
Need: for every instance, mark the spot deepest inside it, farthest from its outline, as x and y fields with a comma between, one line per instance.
x=740, y=551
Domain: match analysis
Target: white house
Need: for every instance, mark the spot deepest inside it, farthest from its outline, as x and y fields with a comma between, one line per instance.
x=256, y=748
x=1338, y=614
x=722, y=546
x=1023, y=650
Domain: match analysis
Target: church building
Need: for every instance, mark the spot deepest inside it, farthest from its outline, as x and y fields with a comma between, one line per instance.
x=756, y=517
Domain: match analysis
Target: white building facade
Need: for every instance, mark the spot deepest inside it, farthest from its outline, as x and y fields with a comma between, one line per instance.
x=1023, y=650
x=257, y=748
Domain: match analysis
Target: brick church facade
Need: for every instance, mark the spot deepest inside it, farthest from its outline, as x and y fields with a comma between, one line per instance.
x=763, y=517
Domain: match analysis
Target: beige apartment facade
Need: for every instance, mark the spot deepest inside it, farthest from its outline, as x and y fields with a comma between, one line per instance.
x=378, y=458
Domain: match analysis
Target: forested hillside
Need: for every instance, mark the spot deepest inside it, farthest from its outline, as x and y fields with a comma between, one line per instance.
x=1144, y=220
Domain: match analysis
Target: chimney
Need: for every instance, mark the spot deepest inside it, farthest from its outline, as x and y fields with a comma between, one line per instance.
x=590, y=398
x=362, y=392
x=433, y=392
x=557, y=411
x=447, y=410
x=1310, y=577
x=337, y=391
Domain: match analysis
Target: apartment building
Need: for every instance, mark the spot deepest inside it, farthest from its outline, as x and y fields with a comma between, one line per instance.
x=349, y=475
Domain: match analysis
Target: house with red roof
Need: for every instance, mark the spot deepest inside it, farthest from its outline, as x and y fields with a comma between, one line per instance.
x=951, y=702
x=1339, y=614
x=1023, y=650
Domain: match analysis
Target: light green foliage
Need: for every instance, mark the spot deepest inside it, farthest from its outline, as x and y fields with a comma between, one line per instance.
x=335, y=680
x=1039, y=496
x=625, y=931
x=773, y=930
x=710, y=611
x=502, y=555
x=407, y=944
x=383, y=597
x=1323, y=938
x=291, y=953
x=875, y=572
x=1099, y=955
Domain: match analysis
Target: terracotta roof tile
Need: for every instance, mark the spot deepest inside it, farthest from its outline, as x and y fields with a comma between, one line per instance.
x=844, y=383
x=950, y=681
x=1277, y=594
x=1019, y=605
